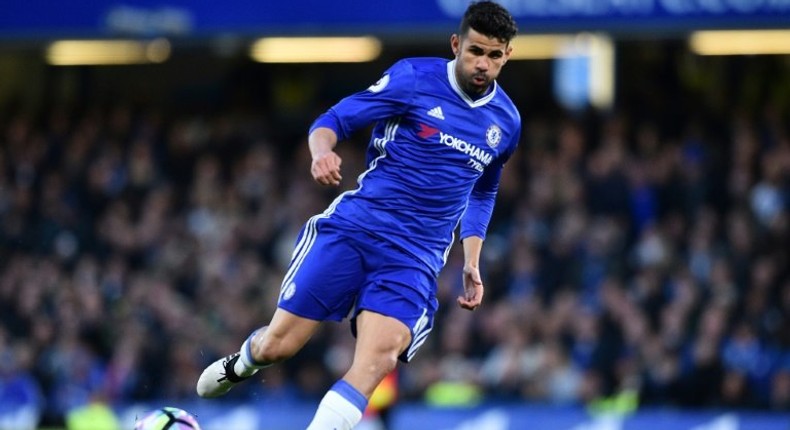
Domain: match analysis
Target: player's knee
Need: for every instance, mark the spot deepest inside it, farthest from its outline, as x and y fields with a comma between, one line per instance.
x=383, y=363
x=388, y=363
x=377, y=369
x=387, y=354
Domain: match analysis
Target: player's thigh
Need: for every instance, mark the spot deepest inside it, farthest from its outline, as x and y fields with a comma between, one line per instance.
x=380, y=334
x=324, y=276
x=404, y=292
x=380, y=339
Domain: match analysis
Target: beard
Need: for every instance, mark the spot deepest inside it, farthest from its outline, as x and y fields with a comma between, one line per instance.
x=477, y=83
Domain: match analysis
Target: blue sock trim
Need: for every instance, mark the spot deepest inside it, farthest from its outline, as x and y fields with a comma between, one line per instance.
x=247, y=351
x=351, y=394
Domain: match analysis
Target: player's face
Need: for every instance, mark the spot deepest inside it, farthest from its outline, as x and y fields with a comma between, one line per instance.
x=479, y=59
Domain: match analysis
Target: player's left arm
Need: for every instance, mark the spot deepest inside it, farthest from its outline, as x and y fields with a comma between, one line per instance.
x=474, y=225
x=473, y=231
x=473, y=283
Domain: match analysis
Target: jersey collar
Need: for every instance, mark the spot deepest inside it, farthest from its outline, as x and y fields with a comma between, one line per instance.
x=457, y=88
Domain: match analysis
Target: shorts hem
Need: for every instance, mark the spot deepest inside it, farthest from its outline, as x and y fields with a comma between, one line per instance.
x=302, y=314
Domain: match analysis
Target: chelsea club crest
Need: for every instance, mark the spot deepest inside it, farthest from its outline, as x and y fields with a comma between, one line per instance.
x=493, y=135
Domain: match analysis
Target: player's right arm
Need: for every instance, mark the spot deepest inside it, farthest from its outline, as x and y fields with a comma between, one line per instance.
x=325, y=167
x=387, y=98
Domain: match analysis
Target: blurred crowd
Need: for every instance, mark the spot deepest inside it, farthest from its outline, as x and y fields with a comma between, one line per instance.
x=137, y=246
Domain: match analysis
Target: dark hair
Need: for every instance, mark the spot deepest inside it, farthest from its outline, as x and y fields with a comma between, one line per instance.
x=490, y=19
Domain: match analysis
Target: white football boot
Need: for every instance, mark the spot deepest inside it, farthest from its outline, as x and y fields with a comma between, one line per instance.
x=219, y=377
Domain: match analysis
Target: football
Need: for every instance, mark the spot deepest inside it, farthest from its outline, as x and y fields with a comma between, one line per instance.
x=167, y=418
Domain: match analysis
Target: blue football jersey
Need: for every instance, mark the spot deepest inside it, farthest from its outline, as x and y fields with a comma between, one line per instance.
x=434, y=158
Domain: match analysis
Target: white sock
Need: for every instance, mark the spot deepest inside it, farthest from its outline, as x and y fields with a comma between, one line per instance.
x=246, y=364
x=340, y=409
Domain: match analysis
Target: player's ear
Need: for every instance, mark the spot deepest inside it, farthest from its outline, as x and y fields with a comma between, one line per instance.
x=508, y=51
x=455, y=43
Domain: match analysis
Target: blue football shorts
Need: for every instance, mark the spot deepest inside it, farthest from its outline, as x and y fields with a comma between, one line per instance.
x=336, y=273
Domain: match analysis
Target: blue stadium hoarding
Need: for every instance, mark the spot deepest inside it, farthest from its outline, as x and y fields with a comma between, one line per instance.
x=570, y=418
x=95, y=18
x=295, y=416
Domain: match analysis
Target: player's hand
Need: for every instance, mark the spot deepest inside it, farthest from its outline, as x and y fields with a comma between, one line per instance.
x=473, y=289
x=326, y=168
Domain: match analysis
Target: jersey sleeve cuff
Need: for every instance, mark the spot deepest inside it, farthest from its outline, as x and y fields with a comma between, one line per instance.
x=469, y=233
x=330, y=121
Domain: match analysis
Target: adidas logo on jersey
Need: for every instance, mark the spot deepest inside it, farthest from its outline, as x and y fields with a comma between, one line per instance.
x=436, y=112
